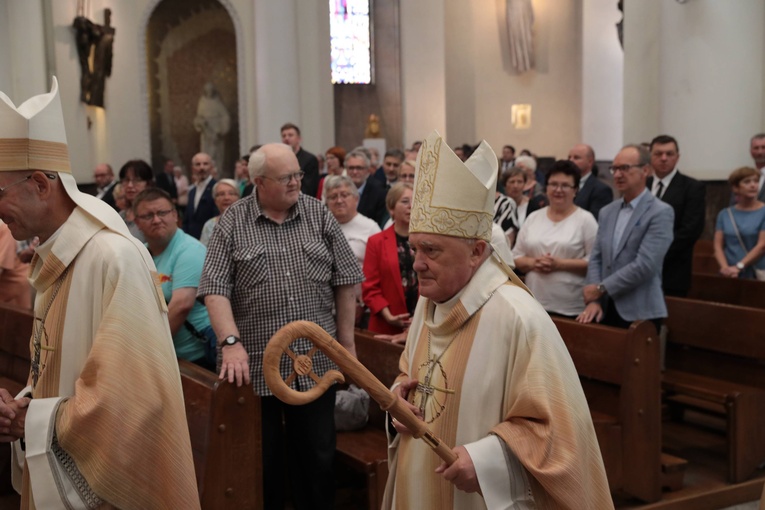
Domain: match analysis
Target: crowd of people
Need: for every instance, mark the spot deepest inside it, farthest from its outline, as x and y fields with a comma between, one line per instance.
x=346, y=241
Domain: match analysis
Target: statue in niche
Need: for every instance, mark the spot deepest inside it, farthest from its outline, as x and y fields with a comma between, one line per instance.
x=373, y=127
x=98, y=39
x=212, y=122
x=520, y=19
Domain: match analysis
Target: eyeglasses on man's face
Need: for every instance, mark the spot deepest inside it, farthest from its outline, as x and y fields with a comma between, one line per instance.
x=286, y=179
x=338, y=196
x=52, y=177
x=158, y=214
x=622, y=168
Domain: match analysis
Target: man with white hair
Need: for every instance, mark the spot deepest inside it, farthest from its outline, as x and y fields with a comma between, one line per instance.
x=102, y=419
x=275, y=257
x=484, y=365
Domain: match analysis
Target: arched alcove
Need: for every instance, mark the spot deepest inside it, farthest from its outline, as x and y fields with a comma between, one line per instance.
x=189, y=43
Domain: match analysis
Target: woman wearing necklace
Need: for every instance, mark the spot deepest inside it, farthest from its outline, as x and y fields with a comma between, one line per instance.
x=554, y=245
x=739, y=240
x=390, y=289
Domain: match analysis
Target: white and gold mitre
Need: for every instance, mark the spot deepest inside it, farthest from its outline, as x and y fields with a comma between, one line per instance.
x=453, y=198
x=32, y=136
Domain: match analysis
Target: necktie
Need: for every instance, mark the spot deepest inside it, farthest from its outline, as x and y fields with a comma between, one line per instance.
x=660, y=190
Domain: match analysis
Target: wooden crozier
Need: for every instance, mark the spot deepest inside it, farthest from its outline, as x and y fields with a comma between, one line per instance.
x=302, y=365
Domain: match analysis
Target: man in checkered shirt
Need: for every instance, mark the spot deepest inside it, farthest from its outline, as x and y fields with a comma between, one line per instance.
x=275, y=257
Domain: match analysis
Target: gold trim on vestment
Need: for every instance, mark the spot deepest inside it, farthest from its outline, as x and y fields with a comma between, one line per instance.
x=454, y=362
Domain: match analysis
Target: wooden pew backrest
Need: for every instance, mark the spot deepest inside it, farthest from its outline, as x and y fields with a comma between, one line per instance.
x=224, y=426
x=620, y=375
x=733, y=291
x=700, y=340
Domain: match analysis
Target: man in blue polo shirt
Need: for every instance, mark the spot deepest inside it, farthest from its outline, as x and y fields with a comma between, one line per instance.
x=179, y=259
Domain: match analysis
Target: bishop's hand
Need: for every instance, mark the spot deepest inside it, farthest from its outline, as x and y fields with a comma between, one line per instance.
x=461, y=472
x=402, y=392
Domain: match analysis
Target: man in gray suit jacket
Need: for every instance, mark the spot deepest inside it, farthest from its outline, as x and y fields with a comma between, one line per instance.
x=634, y=233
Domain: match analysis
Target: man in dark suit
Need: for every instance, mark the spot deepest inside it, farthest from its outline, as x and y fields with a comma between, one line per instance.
x=687, y=197
x=105, y=182
x=201, y=206
x=387, y=174
x=623, y=281
x=371, y=192
x=308, y=162
x=166, y=180
x=593, y=193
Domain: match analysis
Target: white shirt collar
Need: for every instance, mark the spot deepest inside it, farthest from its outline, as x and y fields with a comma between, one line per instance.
x=666, y=180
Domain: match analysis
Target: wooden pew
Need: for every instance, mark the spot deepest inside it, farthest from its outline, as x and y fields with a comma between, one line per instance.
x=704, y=247
x=16, y=327
x=733, y=291
x=224, y=426
x=619, y=371
x=366, y=450
x=705, y=264
x=715, y=361
x=223, y=421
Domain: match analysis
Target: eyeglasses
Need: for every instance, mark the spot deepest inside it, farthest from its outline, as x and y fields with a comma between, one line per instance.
x=561, y=186
x=298, y=176
x=621, y=168
x=356, y=168
x=2, y=190
x=150, y=216
x=132, y=180
x=52, y=177
x=339, y=196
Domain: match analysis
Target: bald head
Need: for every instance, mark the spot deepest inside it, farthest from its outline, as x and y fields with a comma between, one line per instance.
x=273, y=157
x=583, y=157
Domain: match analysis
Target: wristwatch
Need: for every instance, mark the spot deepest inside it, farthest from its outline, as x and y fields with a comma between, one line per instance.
x=740, y=266
x=230, y=340
x=602, y=289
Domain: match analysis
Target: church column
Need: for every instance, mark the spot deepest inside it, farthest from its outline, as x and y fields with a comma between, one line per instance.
x=423, y=68
x=277, y=71
x=292, y=76
x=602, y=78
x=23, y=68
x=696, y=70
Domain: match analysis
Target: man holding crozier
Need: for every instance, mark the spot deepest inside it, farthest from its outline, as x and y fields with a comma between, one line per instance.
x=484, y=365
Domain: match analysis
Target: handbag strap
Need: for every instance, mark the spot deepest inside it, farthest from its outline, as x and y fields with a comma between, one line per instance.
x=735, y=228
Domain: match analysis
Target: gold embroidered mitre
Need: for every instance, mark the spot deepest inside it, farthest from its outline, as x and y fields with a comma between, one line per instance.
x=32, y=136
x=451, y=197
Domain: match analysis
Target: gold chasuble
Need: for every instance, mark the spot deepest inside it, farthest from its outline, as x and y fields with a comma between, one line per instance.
x=106, y=427
x=495, y=376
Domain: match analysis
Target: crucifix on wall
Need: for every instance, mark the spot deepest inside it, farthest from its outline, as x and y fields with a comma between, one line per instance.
x=94, y=49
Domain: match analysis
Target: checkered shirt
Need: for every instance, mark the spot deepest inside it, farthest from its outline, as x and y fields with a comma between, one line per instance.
x=274, y=274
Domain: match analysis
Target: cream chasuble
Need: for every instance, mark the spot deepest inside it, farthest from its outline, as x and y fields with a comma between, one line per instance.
x=106, y=427
x=496, y=377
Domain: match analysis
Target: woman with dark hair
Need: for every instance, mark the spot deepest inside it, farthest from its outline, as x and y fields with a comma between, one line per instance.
x=739, y=240
x=135, y=176
x=390, y=289
x=554, y=244
x=335, y=157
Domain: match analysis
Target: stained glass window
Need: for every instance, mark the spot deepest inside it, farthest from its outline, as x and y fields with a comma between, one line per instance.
x=351, y=41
